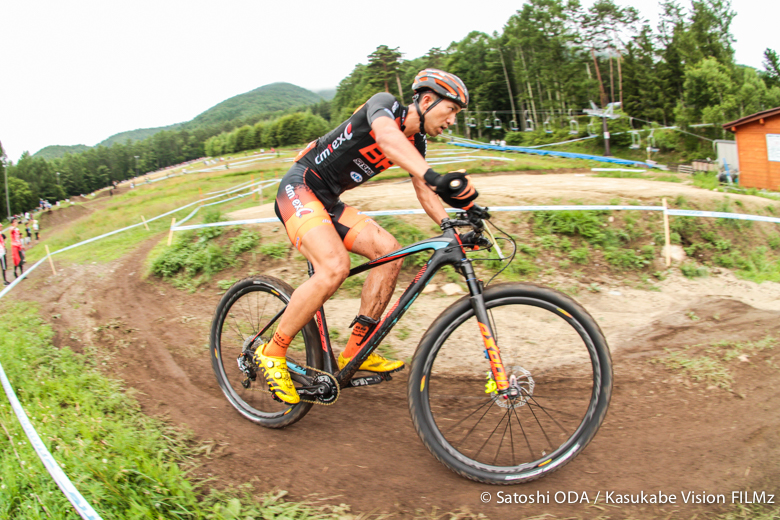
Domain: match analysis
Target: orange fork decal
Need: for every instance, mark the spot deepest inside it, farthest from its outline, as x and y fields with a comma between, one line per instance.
x=496, y=365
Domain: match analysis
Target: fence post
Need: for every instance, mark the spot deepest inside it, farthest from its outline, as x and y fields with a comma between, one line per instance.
x=170, y=233
x=145, y=224
x=51, y=262
x=666, y=236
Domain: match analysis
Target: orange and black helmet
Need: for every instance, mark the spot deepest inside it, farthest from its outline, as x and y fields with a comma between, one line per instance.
x=446, y=85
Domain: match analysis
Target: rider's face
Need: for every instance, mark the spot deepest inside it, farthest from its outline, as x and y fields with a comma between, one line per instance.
x=441, y=117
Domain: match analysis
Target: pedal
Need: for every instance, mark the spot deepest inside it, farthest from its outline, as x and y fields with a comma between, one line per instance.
x=369, y=380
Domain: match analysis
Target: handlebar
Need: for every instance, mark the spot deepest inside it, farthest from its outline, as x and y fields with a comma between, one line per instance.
x=472, y=217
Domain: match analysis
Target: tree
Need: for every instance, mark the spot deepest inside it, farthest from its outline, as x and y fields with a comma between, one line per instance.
x=771, y=72
x=383, y=66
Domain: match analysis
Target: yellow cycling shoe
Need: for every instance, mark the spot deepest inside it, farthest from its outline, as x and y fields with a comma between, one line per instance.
x=374, y=363
x=277, y=376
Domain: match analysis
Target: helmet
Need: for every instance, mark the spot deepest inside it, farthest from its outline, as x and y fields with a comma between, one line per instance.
x=448, y=86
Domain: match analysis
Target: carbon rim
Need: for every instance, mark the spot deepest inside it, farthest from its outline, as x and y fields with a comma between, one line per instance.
x=555, y=360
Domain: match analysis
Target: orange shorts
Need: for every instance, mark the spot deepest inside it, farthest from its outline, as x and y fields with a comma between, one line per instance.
x=299, y=208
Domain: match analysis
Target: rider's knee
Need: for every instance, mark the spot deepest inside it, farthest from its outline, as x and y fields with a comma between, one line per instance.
x=336, y=271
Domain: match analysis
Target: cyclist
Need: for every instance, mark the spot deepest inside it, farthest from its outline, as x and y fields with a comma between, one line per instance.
x=379, y=134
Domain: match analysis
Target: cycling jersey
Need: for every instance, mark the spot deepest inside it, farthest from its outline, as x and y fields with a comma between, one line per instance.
x=349, y=156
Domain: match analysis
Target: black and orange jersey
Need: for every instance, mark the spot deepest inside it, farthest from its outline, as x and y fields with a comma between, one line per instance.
x=349, y=156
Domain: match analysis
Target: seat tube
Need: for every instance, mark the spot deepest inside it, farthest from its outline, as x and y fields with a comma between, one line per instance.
x=485, y=328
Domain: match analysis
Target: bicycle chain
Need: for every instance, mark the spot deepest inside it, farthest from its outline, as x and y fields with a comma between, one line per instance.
x=336, y=383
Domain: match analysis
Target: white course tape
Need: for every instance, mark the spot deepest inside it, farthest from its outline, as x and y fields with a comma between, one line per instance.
x=79, y=503
x=422, y=212
x=717, y=214
x=81, y=506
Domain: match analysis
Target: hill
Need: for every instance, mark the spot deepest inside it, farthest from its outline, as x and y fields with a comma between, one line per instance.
x=268, y=98
x=326, y=94
x=55, y=151
x=136, y=135
x=274, y=97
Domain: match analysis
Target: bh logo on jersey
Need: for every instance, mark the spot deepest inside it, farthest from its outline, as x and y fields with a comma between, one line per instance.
x=296, y=202
x=346, y=135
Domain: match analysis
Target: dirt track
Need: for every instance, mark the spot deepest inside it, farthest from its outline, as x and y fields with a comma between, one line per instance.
x=659, y=434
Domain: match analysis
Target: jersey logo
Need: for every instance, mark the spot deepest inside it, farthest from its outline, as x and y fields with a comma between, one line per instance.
x=356, y=177
x=296, y=202
x=346, y=135
x=363, y=166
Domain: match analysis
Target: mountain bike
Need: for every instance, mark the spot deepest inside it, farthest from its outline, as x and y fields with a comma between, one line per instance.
x=507, y=385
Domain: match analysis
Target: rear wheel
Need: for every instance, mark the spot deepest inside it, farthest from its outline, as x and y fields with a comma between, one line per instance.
x=246, y=309
x=560, y=373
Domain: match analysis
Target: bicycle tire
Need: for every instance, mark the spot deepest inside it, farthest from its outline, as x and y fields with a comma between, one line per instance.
x=242, y=312
x=566, y=377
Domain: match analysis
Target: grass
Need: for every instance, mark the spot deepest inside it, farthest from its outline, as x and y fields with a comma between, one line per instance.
x=711, y=365
x=126, y=465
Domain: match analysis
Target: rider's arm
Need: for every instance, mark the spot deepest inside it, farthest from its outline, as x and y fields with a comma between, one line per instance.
x=402, y=152
x=429, y=200
x=398, y=148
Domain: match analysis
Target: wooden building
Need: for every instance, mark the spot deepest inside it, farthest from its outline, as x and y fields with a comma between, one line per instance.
x=758, y=146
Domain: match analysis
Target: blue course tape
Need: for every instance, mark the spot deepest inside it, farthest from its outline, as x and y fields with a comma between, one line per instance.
x=79, y=503
x=568, y=155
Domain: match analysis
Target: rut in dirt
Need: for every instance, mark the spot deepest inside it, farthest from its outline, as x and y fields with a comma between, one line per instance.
x=363, y=451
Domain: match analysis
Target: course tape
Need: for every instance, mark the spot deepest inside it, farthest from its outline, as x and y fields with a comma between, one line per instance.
x=422, y=212
x=717, y=214
x=81, y=506
x=568, y=155
x=79, y=503
x=259, y=188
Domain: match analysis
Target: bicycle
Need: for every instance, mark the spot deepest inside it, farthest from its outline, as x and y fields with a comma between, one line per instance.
x=508, y=399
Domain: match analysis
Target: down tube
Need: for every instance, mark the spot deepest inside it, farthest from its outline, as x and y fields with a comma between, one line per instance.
x=396, y=312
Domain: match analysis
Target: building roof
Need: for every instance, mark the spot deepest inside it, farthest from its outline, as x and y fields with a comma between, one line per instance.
x=732, y=126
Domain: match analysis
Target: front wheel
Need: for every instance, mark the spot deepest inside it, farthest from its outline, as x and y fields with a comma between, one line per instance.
x=248, y=307
x=560, y=373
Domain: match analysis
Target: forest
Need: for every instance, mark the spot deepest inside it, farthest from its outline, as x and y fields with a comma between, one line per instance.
x=550, y=61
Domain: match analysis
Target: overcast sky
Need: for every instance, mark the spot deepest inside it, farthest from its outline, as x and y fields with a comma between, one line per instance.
x=78, y=72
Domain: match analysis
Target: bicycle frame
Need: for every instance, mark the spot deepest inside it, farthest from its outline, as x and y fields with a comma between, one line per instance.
x=447, y=250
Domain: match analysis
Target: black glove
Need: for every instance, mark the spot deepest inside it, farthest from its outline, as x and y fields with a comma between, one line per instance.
x=454, y=188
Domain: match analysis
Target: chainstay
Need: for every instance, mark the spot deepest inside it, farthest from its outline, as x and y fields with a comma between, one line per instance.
x=335, y=382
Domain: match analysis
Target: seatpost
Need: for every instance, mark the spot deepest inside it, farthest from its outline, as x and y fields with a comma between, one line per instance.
x=310, y=268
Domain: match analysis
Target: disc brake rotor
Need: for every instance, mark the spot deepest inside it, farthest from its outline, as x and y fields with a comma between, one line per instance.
x=521, y=388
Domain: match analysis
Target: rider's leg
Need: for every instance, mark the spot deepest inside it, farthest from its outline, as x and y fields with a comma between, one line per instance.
x=323, y=247
x=331, y=264
x=373, y=242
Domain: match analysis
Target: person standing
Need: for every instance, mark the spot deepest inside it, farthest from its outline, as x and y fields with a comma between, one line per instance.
x=3, y=264
x=35, y=228
x=28, y=238
x=17, y=248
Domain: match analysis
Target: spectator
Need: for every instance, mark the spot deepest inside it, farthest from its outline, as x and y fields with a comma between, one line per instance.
x=17, y=248
x=35, y=228
x=2, y=255
x=28, y=238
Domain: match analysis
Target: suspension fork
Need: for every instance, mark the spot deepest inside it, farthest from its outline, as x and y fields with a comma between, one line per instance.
x=485, y=328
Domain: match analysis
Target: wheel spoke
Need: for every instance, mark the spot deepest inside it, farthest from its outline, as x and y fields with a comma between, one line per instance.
x=546, y=352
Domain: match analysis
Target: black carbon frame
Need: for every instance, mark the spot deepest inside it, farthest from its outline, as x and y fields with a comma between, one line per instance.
x=447, y=251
